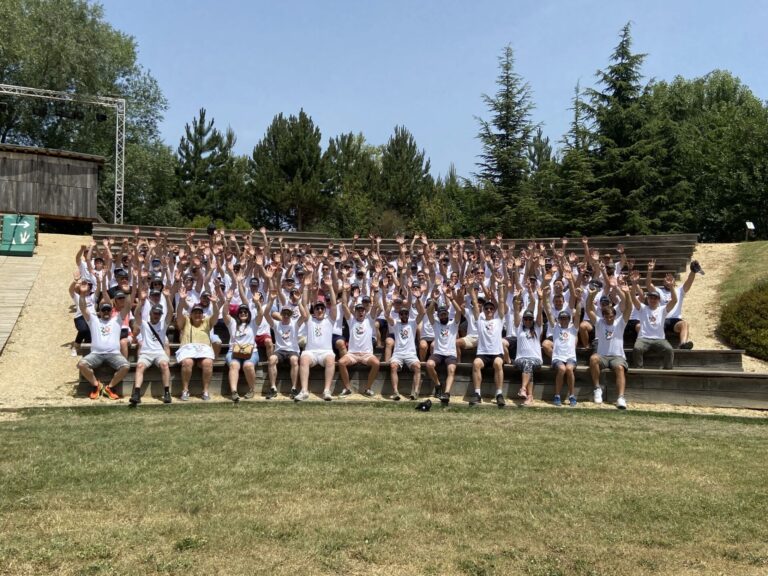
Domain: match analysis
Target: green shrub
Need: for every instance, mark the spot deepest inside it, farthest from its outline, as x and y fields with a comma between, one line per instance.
x=744, y=321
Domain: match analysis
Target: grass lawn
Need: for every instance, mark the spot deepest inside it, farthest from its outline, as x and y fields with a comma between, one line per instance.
x=751, y=266
x=380, y=489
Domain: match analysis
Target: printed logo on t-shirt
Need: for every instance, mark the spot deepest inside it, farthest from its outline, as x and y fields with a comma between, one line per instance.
x=285, y=335
x=444, y=332
x=652, y=319
x=105, y=329
x=318, y=330
x=564, y=336
x=405, y=332
x=490, y=326
x=608, y=334
x=359, y=330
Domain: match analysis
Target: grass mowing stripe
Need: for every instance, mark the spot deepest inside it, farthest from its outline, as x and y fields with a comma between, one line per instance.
x=369, y=488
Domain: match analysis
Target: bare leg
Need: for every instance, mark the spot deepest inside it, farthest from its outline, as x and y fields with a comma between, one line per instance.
x=186, y=373
x=559, y=379
x=272, y=371
x=294, y=371
x=330, y=369
x=234, y=375
x=250, y=375
x=88, y=374
x=207, y=366
x=373, y=372
x=304, y=373
x=416, y=367
x=394, y=378
x=450, y=378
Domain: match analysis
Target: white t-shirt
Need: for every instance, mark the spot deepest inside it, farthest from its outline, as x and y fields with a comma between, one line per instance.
x=319, y=334
x=528, y=344
x=105, y=334
x=564, y=342
x=286, y=336
x=405, y=337
x=445, y=337
x=666, y=296
x=652, y=322
x=489, y=335
x=361, y=335
x=610, y=337
x=88, y=304
x=240, y=333
x=149, y=342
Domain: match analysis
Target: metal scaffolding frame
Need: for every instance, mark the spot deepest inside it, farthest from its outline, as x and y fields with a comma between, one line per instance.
x=117, y=104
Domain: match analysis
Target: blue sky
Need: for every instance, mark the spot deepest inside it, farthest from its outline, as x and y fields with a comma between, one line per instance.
x=365, y=66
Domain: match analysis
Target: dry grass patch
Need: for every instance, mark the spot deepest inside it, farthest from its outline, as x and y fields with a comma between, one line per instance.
x=380, y=489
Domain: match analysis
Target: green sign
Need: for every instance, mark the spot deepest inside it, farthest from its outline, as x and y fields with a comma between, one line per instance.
x=18, y=235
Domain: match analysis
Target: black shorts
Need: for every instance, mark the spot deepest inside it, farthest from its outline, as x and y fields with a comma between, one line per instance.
x=284, y=356
x=488, y=359
x=670, y=323
x=124, y=333
x=440, y=359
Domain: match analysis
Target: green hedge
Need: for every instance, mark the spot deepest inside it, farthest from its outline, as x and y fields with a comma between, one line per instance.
x=744, y=321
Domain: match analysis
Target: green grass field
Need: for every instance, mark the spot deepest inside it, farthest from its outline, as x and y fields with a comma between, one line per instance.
x=750, y=266
x=380, y=489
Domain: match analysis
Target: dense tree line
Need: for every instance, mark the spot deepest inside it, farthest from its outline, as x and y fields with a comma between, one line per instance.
x=638, y=158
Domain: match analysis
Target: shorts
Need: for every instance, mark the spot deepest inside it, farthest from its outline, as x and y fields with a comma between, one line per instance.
x=83, y=331
x=284, y=356
x=612, y=362
x=215, y=339
x=318, y=357
x=439, y=359
x=488, y=359
x=124, y=332
x=568, y=362
x=427, y=339
x=469, y=342
x=254, y=359
x=512, y=341
x=670, y=323
x=153, y=359
x=550, y=338
x=404, y=359
x=335, y=338
x=359, y=357
x=261, y=340
x=527, y=365
x=96, y=359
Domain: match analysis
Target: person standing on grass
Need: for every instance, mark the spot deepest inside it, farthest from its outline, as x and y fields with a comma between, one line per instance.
x=446, y=331
x=195, y=340
x=490, y=351
x=105, y=344
x=362, y=325
x=155, y=350
x=609, y=331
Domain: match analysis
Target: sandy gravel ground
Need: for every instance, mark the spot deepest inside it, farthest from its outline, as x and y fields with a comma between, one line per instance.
x=36, y=368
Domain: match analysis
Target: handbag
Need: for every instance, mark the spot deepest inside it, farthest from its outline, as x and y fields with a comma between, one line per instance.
x=242, y=351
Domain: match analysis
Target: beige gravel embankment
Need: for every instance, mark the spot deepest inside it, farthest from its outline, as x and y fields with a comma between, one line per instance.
x=36, y=369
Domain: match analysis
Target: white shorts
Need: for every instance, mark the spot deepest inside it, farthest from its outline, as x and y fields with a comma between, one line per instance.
x=470, y=342
x=400, y=360
x=318, y=357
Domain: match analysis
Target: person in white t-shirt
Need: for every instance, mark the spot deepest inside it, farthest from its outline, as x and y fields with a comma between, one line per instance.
x=609, y=331
x=652, y=337
x=564, y=336
x=105, y=344
x=243, y=352
x=155, y=350
x=674, y=321
x=490, y=351
x=319, y=348
x=404, y=354
x=446, y=330
x=362, y=330
x=528, y=331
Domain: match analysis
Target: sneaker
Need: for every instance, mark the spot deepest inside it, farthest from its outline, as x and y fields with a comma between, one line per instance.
x=598, y=396
x=346, y=392
x=327, y=396
x=686, y=345
x=95, y=392
x=185, y=395
x=167, y=397
x=522, y=393
x=251, y=392
x=438, y=392
x=73, y=352
x=527, y=402
x=293, y=394
x=235, y=397
x=370, y=393
x=395, y=397
x=109, y=393
x=205, y=397
x=621, y=404
x=557, y=402
x=500, y=402
x=445, y=398
x=301, y=396
x=412, y=397
x=269, y=396
x=572, y=401
x=475, y=399
x=135, y=397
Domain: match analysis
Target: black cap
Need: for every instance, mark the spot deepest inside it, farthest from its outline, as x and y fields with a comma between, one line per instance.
x=105, y=306
x=198, y=306
x=157, y=308
x=155, y=292
x=120, y=272
x=360, y=305
x=118, y=294
x=366, y=300
x=528, y=314
x=564, y=314
x=605, y=300
x=205, y=294
x=243, y=307
x=442, y=309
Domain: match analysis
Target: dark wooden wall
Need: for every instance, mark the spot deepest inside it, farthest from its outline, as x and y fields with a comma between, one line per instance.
x=48, y=185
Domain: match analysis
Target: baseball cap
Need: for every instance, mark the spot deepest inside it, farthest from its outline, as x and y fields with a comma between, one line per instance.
x=158, y=309
x=564, y=314
x=528, y=314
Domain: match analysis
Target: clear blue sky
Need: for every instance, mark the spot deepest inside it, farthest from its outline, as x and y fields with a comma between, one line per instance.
x=366, y=66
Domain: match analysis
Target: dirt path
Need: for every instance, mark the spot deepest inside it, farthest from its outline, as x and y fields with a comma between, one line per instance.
x=36, y=368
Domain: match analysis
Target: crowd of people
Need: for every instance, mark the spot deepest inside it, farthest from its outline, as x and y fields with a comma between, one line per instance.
x=423, y=304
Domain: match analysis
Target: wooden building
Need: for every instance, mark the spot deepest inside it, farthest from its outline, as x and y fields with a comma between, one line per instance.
x=52, y=184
